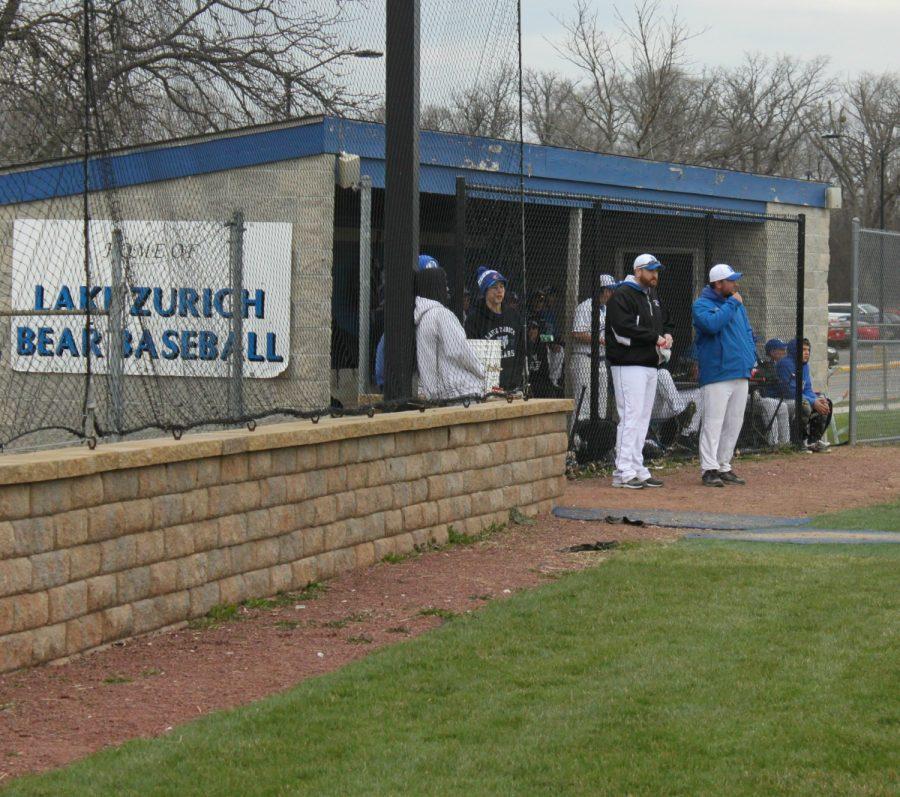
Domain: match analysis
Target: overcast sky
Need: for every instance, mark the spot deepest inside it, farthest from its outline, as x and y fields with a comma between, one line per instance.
x=857, y=35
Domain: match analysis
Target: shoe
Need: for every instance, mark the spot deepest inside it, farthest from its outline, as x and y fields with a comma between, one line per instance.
x=820, y=447
x=651, y=482
x=711, y=479
x=729, y=477
x=631, y=484
x=684, y=418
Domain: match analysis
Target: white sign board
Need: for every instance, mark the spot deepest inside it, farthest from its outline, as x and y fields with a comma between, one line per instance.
x=177, y=297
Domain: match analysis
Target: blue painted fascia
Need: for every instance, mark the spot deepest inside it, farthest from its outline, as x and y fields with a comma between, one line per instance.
x=483, y=160
x=163, y=162
x=443, y=156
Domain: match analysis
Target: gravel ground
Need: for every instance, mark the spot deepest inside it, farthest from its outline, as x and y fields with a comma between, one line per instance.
x=55, y=714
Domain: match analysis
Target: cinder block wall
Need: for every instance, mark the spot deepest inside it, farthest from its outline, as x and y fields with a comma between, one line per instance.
x=101, y=545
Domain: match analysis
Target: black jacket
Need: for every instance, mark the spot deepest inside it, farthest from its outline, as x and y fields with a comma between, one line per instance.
x=635, y=320
x=507, y=328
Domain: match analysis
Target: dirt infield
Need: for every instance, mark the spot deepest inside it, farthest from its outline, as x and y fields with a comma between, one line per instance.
x=52, y=715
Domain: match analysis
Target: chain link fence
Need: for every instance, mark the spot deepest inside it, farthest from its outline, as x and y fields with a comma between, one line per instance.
x=869, y=326
x=573, y=247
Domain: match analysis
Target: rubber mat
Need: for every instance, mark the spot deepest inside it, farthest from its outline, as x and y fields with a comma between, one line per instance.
x=682, y=519
x=804, y=537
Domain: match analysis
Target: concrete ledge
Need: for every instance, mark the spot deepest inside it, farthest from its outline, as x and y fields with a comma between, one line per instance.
x=71, y=462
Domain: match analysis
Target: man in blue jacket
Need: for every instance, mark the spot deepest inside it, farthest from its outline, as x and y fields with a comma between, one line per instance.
x=726, y=354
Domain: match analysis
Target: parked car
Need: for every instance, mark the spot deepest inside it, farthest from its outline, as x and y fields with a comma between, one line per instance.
x=833, y=356
x=839, y=328
x=843, y=308
x=887, y=324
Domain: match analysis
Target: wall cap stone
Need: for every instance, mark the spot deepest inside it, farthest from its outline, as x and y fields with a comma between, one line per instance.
x=65, y=463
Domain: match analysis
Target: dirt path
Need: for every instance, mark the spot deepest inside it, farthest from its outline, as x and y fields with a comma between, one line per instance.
x=792, y=485
x=52, y=715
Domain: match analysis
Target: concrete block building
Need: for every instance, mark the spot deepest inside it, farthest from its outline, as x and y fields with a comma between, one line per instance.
x=309, y=179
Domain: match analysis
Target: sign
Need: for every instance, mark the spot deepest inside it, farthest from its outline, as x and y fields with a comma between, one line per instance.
x=176, y=294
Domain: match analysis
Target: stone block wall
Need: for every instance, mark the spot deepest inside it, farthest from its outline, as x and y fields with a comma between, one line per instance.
x=101, y=545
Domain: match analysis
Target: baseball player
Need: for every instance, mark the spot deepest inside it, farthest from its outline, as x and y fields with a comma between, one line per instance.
x=638, y=338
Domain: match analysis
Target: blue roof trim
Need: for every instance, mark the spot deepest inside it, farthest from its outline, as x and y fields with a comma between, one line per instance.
x=443, y=156
x=442, y=180
x=580, y=172
x=163, y=163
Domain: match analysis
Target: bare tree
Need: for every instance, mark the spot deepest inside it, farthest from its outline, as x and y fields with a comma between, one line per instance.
x=635, y=94
x=489, y=108
x=764, y=112
x=167, y=67
x=862, y=126
x=552, y=115
x=598, y=94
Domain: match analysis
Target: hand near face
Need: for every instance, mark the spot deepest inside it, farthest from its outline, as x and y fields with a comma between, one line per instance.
x=737, y=295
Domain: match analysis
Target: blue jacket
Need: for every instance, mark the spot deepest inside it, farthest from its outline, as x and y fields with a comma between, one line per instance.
x=787, y=376
x=724, y=340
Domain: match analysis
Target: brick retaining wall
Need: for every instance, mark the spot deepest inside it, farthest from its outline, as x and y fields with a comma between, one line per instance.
x=101, y=545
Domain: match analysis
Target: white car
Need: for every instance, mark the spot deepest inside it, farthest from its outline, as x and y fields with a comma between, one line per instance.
x=843, y=309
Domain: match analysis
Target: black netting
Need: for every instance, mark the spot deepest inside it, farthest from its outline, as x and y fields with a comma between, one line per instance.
x=190, y=232
x=195, y=229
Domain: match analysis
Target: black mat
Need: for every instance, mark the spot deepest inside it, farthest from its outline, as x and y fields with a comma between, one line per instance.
x=681, y=519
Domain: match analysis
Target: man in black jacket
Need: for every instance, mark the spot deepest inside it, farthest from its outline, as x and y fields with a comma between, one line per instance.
x=491, y=319
x=638, y=339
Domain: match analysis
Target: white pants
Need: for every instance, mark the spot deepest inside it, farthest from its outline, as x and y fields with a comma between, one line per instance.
x=777, y=418
x=581, y=379
x=635, y=389
x=723, y=417
x=671, y=402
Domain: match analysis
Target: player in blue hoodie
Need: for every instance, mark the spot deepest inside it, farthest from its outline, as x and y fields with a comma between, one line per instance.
x=726, y=354
x=815, y=408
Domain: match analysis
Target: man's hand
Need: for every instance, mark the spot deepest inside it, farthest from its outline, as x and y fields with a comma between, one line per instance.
x=820, y=405
x=737, y=295
x=664, y=343
x=669, y=340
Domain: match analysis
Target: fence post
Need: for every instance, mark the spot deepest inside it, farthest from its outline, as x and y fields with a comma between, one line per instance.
x=595, y=311
x=236, y=263
x=801, y=302
x=854, y=320
x=365, y=284
x=573, y=267
x=458, y=270
x=115, y=330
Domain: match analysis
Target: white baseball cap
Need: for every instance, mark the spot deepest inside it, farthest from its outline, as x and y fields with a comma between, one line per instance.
x=648, y=262
x=607, y=281
x=724, y=272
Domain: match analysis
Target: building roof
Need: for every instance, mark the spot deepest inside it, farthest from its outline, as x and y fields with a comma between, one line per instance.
x=443, y=157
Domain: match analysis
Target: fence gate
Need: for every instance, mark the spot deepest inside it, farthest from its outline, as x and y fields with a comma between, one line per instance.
x=874, y=336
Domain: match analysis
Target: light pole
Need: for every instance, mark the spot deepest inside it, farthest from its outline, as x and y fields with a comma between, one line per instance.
x=289, y=79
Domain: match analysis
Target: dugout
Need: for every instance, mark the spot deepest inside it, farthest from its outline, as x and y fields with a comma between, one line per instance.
x=312, y=181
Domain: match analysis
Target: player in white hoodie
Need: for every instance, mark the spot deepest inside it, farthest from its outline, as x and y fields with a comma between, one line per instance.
x=448, y=368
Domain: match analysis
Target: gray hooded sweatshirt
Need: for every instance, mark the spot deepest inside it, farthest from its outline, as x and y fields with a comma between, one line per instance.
x=448, y=368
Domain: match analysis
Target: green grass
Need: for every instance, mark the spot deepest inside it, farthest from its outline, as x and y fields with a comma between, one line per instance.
x=883, y=517
x=697, y=668
x=870, y=425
